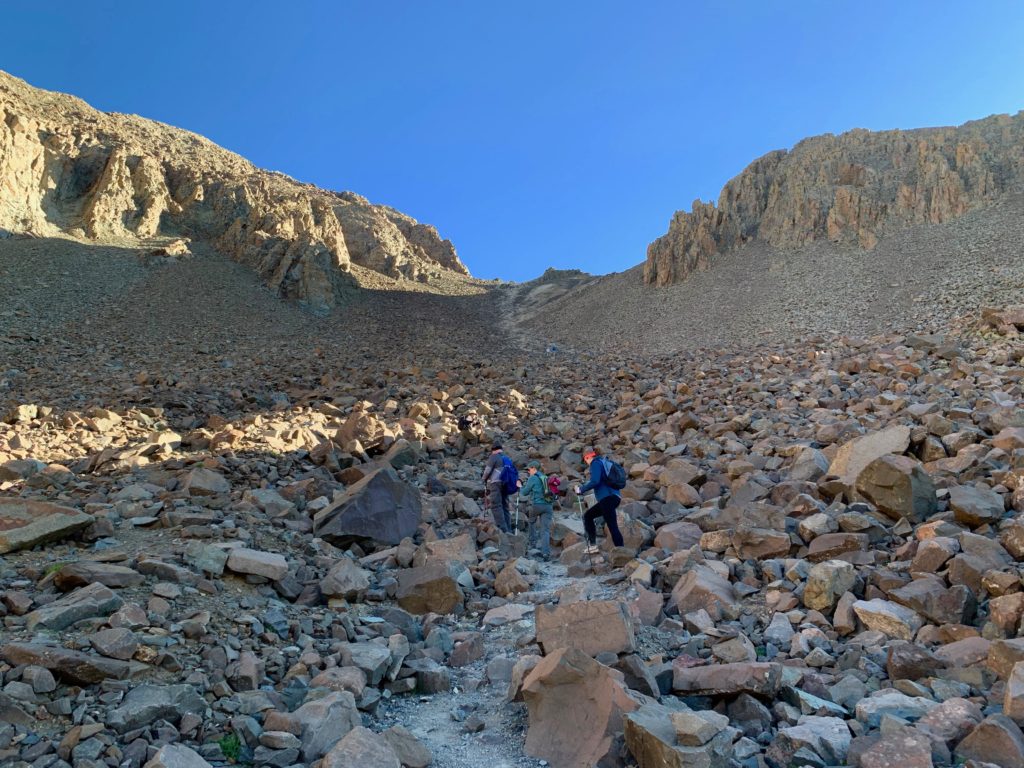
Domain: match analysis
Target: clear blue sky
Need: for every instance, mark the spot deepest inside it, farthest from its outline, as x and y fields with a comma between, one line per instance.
x=533, y=134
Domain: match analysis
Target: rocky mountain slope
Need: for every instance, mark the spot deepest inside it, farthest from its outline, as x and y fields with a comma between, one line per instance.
x=847, y=189
x=68, y=169
x=233, y=534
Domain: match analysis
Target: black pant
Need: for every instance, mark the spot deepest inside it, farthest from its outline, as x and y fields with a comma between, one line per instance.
x=604, y=508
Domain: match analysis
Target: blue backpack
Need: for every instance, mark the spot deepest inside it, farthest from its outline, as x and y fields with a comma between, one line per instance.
x=509, y=476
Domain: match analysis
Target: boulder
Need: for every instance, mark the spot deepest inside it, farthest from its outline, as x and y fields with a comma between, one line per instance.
x=145, y=704
x=996, y=740
x=345, y=580
x=853, y=457
x=24, y=524
x=72, y=666
x=269, y=565
x=761, y=678
x=84, y=603
x=653, y=740
x=899, y=487
x=828, y=737
x=975, y=506
x=575, y=708
x=84, y=572
x=205, y=482
x=429, y=589
x=892, y=619
x=381, y=507
x=702, y=587
x=592, y=627
x=176, y=756
x=361, y=747
x=826, y=583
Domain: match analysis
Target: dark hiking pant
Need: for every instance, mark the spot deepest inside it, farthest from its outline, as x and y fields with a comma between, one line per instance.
x=604, y=508
x=498, y=502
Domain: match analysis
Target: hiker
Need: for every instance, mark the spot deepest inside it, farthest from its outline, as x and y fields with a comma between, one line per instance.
x=537, y=491
x=470, y=429
x=608, y=499
x=497, y=472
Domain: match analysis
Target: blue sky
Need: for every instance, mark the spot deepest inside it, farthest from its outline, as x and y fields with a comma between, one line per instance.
x=533, y=134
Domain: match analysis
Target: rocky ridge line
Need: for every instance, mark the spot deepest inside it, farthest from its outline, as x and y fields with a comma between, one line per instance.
x=846, y=189
x=69, y=169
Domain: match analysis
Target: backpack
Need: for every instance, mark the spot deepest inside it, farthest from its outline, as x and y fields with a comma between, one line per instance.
x=614, y=475
x=552, y=488
x=509, y=476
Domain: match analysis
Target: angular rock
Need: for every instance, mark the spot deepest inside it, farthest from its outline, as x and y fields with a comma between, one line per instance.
x=575, y=708
x=899, y=486
x=592, y=627
x=429, y=589
x=361, y=747
x=176, y=756
x=205, y=482
x=145, y=704
x=269, y=565
x=760, y=678
x=996, y=740
x=853, y=457
x=651, y=740
x=24, y=524
x=889, y=618
x=84, y=572
x=975, y=506
x=84, y=603
x=826, y=583
x=73, y=666
x=380, y=507
x=345, y=580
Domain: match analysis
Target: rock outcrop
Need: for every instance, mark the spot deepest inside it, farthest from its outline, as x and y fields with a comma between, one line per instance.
x=847, y=189
x=67, y=169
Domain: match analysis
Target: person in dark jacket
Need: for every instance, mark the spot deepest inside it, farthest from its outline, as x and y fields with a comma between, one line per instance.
x=494, y=495
x=608, y=499
x=541, y=512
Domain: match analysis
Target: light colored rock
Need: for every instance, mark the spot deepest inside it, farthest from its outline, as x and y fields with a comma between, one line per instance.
x=24, y=524
x=270, y=565
x=592, y=627
x=890, y=618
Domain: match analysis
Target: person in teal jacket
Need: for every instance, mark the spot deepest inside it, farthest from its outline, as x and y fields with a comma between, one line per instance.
x=542, y=511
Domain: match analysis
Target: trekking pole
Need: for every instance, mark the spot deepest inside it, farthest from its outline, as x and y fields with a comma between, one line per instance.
x=590, y=557
x=515, y=525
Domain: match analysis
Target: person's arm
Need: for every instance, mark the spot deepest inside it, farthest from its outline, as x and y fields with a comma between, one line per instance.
x=596, y=472
x=488, y=469
x=527, y=489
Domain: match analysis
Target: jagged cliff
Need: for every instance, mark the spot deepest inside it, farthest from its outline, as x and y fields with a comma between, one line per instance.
x=847, y=188
x=68, y=169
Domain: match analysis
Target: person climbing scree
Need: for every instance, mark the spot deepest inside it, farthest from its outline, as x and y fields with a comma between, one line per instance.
x=608, y=498
x=498, y=471
x=536, y=490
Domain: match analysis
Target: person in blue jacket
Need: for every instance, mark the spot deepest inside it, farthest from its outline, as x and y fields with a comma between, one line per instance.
x=608, y=499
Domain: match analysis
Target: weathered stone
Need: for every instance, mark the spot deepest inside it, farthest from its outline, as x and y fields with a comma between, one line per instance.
x=429, y=589
x=996, y=740
x=701, y=587
x=117, y=643
x=575, y=709
x=975, y=506
x=269, y=565
x=410, y=751
x=205, y=482
x=380, y=507
x=828, y=737
x=592, y=627
x=929, y=597
x=361, y=747
x=24, y=524
x=1013, y=698
x=85, y=572
x=72, y=666
x=176, y=756
x=899, y=487
x=826, y=583
x=727, y=679
x=760, y=543
x=651, y=739
x=320, y=723
x=84, y=603
x=889, y=618
x=346, y=580
x=903, y=748
x=146, y=703
x=854, y=457
x=871, y=709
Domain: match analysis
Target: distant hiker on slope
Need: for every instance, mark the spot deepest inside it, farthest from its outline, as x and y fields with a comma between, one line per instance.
x=606, y=479
x=537, y=491
x=500, y=482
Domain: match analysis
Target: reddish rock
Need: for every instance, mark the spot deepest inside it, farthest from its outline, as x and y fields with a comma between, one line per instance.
x=592, y=627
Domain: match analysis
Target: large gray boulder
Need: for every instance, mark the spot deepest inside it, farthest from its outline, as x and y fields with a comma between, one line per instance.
x=380, y=507
x=145, y=704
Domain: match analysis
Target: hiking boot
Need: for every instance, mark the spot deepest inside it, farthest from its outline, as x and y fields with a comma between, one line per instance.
x=591, y=550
